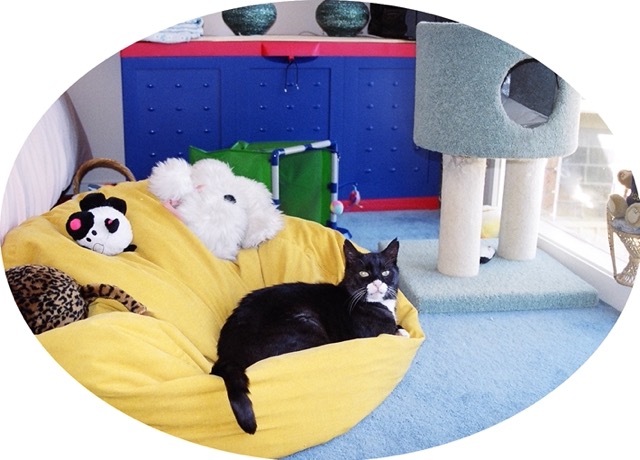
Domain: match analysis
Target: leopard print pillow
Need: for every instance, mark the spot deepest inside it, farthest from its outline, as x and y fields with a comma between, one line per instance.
x=49, y=298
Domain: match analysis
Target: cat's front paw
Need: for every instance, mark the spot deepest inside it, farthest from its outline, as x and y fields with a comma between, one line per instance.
x=402, y=332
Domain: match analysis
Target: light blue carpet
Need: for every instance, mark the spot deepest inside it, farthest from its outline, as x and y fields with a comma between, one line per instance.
x=368, y=228
x=500, y=285
x=473, y=371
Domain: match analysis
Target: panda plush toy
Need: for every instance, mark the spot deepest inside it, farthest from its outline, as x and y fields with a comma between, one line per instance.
x=101, y=225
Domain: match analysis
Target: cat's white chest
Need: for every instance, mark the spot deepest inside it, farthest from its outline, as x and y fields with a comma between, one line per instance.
x=391, y=305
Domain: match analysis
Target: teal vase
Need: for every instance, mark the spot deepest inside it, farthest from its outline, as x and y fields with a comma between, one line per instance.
x=250, y=20
x=342, y=19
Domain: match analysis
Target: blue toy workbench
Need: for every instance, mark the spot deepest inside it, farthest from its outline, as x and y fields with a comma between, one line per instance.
x=212, y=92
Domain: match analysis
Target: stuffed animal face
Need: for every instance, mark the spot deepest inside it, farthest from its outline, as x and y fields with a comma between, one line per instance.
x=625, y=177
x=217, y=219
x=101, y=225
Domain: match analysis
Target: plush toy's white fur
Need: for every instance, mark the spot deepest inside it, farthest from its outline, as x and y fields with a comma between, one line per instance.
x=227, y=212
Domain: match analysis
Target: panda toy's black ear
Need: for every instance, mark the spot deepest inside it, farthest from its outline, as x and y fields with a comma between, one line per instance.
x=116, y=203
x=92, y=200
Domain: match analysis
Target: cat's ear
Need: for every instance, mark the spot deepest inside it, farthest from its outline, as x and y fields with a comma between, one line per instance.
x=391, y=251
x=350, y=251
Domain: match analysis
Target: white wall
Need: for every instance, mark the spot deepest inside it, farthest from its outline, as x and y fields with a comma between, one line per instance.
x=98, y=95
x=294, y=18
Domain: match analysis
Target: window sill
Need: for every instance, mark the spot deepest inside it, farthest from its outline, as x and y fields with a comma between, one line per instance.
x=588, y=262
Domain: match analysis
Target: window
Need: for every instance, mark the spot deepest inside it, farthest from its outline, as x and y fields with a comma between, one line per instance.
x=573, y=216
x=577, y=187
x=573, y=226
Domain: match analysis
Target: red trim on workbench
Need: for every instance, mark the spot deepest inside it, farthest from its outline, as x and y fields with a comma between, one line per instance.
x=394, y=204
x=271, y=48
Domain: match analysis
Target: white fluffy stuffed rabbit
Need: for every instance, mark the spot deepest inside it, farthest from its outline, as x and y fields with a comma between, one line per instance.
x=227, y=212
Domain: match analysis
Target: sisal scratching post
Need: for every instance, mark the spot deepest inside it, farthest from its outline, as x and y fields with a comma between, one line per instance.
x=460, y=215
x=520, y=215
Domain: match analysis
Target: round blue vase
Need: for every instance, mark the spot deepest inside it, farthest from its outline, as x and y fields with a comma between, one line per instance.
x=250, y=20
x=342, y=19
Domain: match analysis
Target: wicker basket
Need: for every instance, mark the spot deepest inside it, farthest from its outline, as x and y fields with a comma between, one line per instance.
x=631, y=242
x=95, y=163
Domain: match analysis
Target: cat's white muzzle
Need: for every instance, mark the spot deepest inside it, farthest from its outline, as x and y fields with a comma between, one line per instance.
x=376, y=291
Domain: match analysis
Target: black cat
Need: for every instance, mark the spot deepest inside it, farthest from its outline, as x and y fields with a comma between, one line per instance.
x=295, y=316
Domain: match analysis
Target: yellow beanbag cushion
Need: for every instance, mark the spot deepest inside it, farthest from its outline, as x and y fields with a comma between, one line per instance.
x=156, y=368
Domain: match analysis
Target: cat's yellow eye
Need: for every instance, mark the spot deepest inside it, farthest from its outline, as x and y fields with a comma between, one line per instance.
x=363, y=274
x=385, y=273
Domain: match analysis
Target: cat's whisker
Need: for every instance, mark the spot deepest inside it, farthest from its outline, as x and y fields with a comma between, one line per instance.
x=355, y=298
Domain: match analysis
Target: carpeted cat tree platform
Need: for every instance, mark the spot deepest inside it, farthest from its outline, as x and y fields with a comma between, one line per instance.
x=478, y=97
x=501, y=285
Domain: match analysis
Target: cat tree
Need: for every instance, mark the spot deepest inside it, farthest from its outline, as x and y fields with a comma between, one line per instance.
x=478, y=97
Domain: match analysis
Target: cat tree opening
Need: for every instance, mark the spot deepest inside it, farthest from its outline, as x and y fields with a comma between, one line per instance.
x=529, y=93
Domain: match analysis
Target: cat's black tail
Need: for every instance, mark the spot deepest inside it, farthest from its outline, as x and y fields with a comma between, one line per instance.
x=237, y=384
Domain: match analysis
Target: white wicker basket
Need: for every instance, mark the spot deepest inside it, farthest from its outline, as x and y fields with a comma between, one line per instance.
x=630, y=238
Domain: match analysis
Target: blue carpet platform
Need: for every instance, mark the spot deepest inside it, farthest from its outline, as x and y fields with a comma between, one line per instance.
x=501, y=284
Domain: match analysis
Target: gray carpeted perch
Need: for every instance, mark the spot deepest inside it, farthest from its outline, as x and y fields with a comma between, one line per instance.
x=458, y=107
